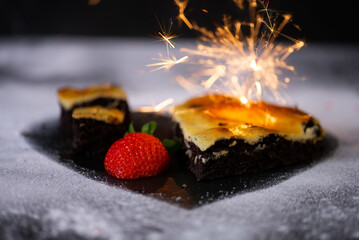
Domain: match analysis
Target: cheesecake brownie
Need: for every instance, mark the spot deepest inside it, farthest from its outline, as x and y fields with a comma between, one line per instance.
x=106, y=95
x=95, y=129
x=222, y=136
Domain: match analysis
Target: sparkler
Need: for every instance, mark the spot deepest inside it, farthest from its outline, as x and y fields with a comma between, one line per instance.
x=167, y=40
x=158, y=107
x=166, y=62
x=238, y=58
x=182, y=4
x=166, y=36
x=169, y=61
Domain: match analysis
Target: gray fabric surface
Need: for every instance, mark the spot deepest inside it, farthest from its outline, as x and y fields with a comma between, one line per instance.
x=42, y=199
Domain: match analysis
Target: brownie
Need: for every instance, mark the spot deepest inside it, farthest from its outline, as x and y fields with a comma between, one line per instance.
x=66, y=115
x=105, y=95
x=222, y=136
x=95, y=129
x=235, y=156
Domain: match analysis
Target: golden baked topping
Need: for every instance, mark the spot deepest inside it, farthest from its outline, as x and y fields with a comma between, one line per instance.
x=69, y=96
x=108, y=115
x=205, y=120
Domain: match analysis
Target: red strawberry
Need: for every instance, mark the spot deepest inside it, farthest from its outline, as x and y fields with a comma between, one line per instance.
x=137, y=155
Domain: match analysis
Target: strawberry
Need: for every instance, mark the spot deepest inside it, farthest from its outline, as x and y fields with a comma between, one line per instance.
x=137, y=155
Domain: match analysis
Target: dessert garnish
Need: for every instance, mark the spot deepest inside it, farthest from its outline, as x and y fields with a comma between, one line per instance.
x=138, y=154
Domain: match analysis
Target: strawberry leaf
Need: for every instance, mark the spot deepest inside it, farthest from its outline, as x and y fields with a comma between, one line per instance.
x=153, y=126
x=171, y=145
x=149, y=127
x=131, y=129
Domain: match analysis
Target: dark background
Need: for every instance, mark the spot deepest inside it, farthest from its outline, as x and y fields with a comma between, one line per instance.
x=324, y=21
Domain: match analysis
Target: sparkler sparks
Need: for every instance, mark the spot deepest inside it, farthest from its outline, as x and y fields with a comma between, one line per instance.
x=158, y=107
x=167, y=39
x=166, y=62
x=182, y=4
x=166, y=36
x=239, y=58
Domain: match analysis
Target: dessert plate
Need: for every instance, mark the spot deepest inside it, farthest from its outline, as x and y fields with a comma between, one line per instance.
x=177, y=185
